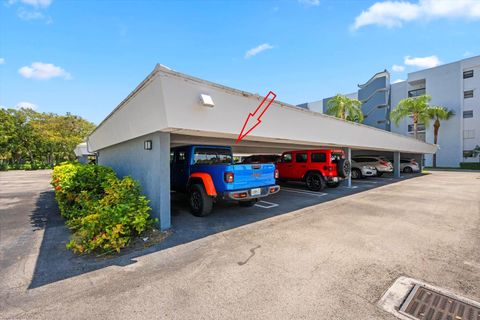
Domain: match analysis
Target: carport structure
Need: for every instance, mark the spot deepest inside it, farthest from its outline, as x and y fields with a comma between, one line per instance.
x=169, y=108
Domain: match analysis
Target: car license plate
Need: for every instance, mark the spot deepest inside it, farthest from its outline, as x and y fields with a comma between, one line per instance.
x=256, y=191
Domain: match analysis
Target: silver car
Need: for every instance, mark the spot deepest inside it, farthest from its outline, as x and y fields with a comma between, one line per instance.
x=409, y=165
x=361, y=170
x=382, y=165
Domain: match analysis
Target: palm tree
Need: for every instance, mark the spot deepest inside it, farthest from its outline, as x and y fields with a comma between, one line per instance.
x=438, y=113
x=345, y=108
x=476, y=152
x=416, y=107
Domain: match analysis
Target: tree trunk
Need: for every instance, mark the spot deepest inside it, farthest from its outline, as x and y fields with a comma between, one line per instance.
x=415, y=125
x=436, y=127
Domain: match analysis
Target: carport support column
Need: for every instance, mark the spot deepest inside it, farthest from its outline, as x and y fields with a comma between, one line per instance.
x=396, y=164
x=163, y=213
x=349, y=158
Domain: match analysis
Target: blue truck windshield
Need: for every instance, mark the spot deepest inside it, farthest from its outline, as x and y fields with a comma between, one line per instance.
x=212, y=156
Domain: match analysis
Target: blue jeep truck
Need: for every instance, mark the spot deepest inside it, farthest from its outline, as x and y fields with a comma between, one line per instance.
x=207, y=173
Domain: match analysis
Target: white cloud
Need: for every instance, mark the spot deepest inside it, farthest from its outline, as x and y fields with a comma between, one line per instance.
x=43, y=71
x=254, y=51
x=26, y=105
x=398, y=80
x=38, y=3
x=30, y=15
x=467, y=54
x=33, y=3
x=398, y=68
x=32, y=9
x=2, y=60
x=422, y=62
x=310, y=2
x=396, y=13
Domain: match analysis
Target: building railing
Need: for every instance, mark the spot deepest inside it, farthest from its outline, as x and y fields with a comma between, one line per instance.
x=416, y=92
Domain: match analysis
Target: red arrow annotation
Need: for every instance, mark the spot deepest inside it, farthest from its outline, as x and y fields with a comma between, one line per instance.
x=253, y=120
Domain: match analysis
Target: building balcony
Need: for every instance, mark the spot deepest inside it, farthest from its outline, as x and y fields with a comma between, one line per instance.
x=416, y=92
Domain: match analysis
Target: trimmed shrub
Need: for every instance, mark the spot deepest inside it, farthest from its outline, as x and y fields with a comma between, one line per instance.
x=103, y=212
x=470, y=165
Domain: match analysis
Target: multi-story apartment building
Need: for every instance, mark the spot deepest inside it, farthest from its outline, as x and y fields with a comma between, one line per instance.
x=455, y=86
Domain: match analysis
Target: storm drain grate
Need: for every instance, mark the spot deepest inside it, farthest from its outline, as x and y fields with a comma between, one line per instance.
x=426, y=304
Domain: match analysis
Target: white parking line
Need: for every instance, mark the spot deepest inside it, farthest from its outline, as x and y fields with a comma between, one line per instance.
x=310, y=193
x=268, y=206
x=366, y=181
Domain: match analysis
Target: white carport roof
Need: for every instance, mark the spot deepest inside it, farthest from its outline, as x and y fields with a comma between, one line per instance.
x=169, y=101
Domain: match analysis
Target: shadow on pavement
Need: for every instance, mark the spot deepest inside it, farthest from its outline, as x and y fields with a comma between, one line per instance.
x=55, y=262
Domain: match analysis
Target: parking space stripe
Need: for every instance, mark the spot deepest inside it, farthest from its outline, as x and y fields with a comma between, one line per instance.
x=366, y=181
x=268, y=206
x=311, y=193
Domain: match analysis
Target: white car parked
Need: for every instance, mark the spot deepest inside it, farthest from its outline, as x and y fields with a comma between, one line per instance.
x=382, y=165
x=361, y=171
x=409, y=165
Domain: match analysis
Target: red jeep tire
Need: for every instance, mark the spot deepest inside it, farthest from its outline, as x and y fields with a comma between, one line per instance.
x=315, y=182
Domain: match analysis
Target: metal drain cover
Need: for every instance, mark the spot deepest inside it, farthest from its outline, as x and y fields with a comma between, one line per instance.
x=409, y=299
x=423, y=303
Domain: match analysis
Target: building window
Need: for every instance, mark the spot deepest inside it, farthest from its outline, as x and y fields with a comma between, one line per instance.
x=416, y=92
x=468, y=154
x=468, y=114
x=468, y=134
x=420, y=127
x=467, y=74
x=468, y=94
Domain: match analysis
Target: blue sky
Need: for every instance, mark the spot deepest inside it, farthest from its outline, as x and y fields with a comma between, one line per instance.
x=84, y=57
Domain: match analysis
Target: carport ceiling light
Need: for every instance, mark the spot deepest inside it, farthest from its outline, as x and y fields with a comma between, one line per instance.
x=207, y=100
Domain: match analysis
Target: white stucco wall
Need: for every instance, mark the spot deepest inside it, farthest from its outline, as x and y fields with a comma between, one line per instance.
x=171, y=103
x=141, y=113
x=472, y=104
x=446, y=86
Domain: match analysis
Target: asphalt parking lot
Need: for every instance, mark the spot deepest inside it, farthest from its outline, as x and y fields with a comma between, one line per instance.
x=292, y=196
x=333, y=259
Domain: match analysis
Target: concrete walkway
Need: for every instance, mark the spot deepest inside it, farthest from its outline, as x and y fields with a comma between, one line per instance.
x=330, y=261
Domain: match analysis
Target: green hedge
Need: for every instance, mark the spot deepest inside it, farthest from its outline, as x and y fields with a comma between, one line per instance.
x=470, y=165
x=103, y=212
x=25, y=166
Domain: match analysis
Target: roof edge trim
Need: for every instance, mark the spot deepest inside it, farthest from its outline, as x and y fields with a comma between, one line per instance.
x=375, y=76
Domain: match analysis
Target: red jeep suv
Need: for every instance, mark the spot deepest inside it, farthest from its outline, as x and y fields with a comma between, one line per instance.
x=318, y=168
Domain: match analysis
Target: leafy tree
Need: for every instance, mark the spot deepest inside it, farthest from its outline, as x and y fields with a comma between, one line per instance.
x=345, y=108
x=438, y=113
x=416, y=107
x=27, y=136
